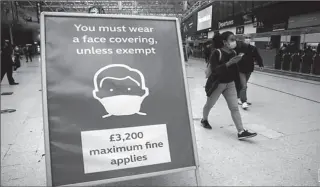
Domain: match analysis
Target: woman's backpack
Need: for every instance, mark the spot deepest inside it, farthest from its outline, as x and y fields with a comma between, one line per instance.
x=208, y=70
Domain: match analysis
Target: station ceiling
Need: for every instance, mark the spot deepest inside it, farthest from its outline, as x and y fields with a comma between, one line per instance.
x=24, y=11
x=138, y=7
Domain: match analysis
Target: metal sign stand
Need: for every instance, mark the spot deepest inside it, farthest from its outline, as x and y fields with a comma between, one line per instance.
x=7, y=93
x=5, y=111
x=195, y=162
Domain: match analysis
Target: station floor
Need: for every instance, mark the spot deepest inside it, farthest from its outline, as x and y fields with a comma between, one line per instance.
x=285, y=112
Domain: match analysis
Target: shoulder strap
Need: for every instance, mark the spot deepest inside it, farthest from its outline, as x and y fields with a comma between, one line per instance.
x=220, y=54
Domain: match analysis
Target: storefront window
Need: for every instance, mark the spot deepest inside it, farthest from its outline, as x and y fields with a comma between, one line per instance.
x=239, y=7
x=249, y=6
x=229, y=8
x=260, y=3
x=216, y=11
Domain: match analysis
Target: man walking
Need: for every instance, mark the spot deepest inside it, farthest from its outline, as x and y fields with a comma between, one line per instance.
x=246, y=67
x=7, y=63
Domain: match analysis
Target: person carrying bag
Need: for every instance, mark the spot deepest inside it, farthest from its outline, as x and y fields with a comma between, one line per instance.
x=221, y=76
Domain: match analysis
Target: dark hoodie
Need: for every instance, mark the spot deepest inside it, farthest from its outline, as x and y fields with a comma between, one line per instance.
x=251, y=54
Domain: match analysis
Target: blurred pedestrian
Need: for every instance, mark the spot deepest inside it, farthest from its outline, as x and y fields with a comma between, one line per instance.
x=246, y=67
x=207, y=52
x=7, y=63
x=17, y=57
x=28, y=53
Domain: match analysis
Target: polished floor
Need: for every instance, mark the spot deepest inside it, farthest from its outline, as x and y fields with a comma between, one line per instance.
x=285, y=113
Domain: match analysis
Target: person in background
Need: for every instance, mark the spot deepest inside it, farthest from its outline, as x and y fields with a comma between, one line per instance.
x=318, y=48
x=7, y=63
x=30, y=52
x=17, y=57
x=189, y=50
x=27, y=52
x=207, y=52
x=224, y=70
x=246, y=67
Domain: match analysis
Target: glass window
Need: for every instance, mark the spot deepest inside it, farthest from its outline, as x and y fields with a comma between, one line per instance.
x=229, y=8
x=216, y=11
x=259, y=3
x=226, y=9
x=239, y=7
x=249, y=6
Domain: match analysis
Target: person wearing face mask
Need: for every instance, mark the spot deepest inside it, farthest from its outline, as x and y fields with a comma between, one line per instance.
x=246, y=67
x=223, y=64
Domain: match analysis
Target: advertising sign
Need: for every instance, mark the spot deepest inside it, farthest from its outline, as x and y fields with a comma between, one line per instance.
x=240, y=30
x=204, y=18
x=201, y=36
x=231, y=21
x=189, y=26
x=115, y=98
x=306, y=20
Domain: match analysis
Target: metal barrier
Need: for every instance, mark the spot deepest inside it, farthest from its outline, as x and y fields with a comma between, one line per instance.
x=307, y=64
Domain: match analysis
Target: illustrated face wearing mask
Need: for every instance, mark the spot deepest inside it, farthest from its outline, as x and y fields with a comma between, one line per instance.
x=231, y=42
x=120, y=96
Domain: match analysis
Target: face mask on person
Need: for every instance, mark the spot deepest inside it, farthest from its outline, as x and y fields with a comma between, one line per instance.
x=232, y=45
x=247, y=41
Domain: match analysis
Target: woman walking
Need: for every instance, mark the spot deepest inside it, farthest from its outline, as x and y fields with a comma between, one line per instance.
x=224, y=71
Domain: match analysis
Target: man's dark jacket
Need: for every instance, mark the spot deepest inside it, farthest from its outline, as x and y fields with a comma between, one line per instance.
x=251, y=54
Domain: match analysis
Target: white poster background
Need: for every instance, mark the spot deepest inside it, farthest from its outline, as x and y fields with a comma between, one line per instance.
x=100, y=139
x=204, y=18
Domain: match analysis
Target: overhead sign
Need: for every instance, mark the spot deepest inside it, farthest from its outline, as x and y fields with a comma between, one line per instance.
x=307, y=20
x=279, y=26
x=248, y=18
x=189, y=26
x=204, y=18
x=201, y=36
x=225, y=24
x=112, y=107
x=240, y=30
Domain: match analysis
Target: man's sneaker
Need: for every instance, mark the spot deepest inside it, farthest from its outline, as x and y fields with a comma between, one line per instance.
x=205, y=124
x=239, y=101
x=13, y=83
x=249, y=103
x=246, y=134
x=245, y=105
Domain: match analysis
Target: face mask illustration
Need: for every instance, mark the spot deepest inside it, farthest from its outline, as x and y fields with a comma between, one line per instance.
x=120, y=89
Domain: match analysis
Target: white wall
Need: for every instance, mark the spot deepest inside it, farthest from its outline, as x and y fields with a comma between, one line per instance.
x=210, y=34
x=262, y=39
x=249, y=29
x=312, y=38
x=286, y=38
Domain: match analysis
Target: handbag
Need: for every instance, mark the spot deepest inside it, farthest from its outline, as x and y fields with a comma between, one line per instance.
x=208, y=70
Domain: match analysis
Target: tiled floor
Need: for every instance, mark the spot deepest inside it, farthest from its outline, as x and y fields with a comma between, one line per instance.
x=285, y=113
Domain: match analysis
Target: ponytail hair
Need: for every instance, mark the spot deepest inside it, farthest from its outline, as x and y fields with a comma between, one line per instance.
x=217, y=41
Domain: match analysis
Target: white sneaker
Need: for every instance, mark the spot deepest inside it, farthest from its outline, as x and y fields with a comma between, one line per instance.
x=245, y=105
x=239, y=102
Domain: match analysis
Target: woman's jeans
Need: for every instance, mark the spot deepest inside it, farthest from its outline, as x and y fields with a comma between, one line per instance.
x=244, y=78
x=228, y=90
